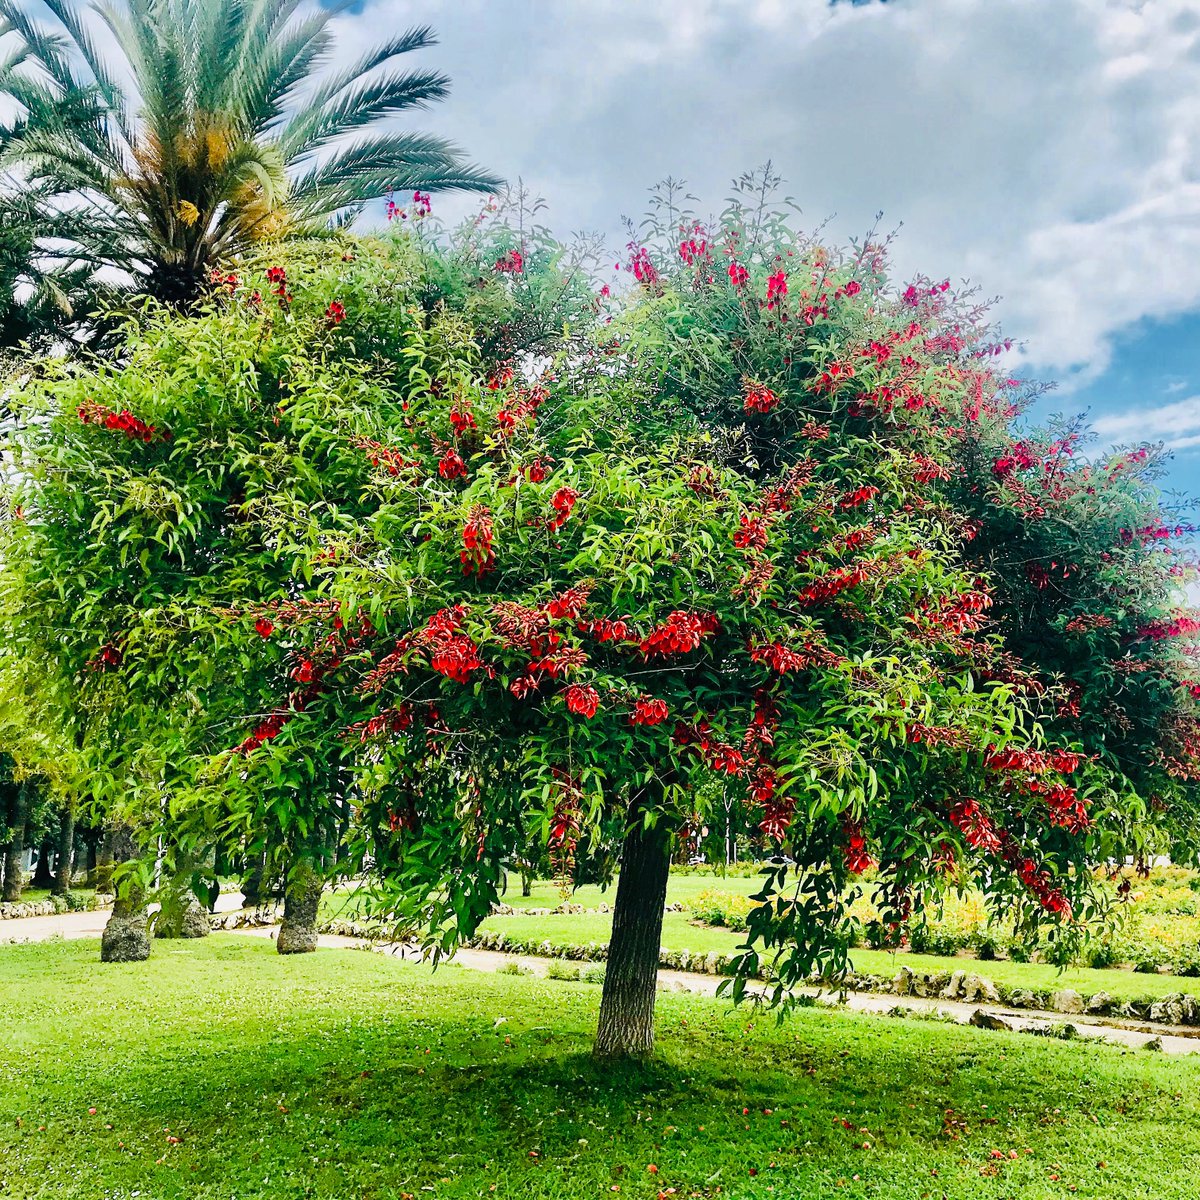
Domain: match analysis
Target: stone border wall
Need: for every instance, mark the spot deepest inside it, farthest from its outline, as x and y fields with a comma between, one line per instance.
x=56, y=905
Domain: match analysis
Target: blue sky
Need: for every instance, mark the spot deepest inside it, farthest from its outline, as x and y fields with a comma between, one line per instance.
x=1048, y=150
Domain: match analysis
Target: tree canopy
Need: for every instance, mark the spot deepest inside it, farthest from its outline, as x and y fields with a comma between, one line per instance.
x=438, y=547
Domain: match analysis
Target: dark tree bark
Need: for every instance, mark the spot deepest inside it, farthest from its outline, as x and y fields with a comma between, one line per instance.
x=626, y=1028
x=18, y=812
x=104, y=862
x=64, y=867
x=252, y=881
x=43, y=873
x=301, y=898
x=526, y=885
x=92, y=861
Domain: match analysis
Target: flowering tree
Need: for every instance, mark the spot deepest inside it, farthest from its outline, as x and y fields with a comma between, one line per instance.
x=513, y=559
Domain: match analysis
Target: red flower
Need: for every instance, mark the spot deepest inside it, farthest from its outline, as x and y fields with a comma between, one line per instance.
x=776, y=288
x=582, y=700
x=263, y=627
x=738, y=275
x=853, y=288
x=452, y=465
x=422, y=205
x=512, y=263
x=563, y=501
x=648, y=711
x=335, y=314
x=758, y=398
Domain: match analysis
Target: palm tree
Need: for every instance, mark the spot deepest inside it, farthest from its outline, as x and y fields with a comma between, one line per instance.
x=211, y=125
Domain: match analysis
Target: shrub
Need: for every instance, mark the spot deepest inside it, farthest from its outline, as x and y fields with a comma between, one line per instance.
x=560, y=969
x=726, y=909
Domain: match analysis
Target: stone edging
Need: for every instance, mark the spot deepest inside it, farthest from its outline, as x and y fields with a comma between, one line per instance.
x=966, y=987
x=52, y=907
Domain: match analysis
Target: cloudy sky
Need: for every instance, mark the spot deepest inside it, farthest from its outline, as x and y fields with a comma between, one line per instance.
x=1048, y=150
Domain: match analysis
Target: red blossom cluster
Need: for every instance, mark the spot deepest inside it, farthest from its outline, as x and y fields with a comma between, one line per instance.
x=833, y=583
x=476, y=555
x=108, y=657
x=264, y=628
x=1034, y=761
x=860, y=495
x=976, y=826
x=777, y=288
x=752, y=532
x=422, y=204
x=1067, y=810
x=1157, y=631
x=757, y=398
x=391, y=458
x=512, y=263
x=391, y=720
x=738, y=275
x=1019, y=458
x=335, y=314
x=461, y=417
x=277, y=276
x=563, y=501
x=451, y=465
x=644, y=271
x=648, y=711
x=680, y=633
x=569, y=603
x=605, y=630
x=134, y=428
x=917, y=732
x=693, y=250
x=854, y=850
x=582, y=699
x=1088, y=621
x=836, y=374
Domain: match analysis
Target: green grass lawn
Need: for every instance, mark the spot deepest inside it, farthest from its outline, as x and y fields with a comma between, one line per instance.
x=347, y=1075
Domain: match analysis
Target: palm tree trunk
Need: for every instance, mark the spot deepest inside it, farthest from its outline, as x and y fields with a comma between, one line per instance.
x=18, y=812
x=66, y=851
x=626, y=1027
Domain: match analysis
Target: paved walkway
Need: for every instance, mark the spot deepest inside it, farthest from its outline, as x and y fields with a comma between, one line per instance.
x=91, y=924
x=72, y=925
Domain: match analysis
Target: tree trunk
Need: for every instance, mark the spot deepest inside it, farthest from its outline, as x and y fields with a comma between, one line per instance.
x=252, y=881
x=526, y=885
x=126, y=937
x=66, y=848
x=104, y=862
x=301, y=898
x=92, y=861
x=18, y=811
x=626, y=1028
x=43, y=874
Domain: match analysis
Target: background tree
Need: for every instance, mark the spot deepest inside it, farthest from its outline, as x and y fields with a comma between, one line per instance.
x=205, y=133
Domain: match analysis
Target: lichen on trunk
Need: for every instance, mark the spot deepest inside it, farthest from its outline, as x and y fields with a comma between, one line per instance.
x=301, y=898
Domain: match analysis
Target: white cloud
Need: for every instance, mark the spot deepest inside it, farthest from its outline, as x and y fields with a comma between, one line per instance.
x=1177, y=424
x=1049, y=151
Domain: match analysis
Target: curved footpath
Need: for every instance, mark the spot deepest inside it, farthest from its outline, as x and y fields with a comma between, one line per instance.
x=91, y=924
